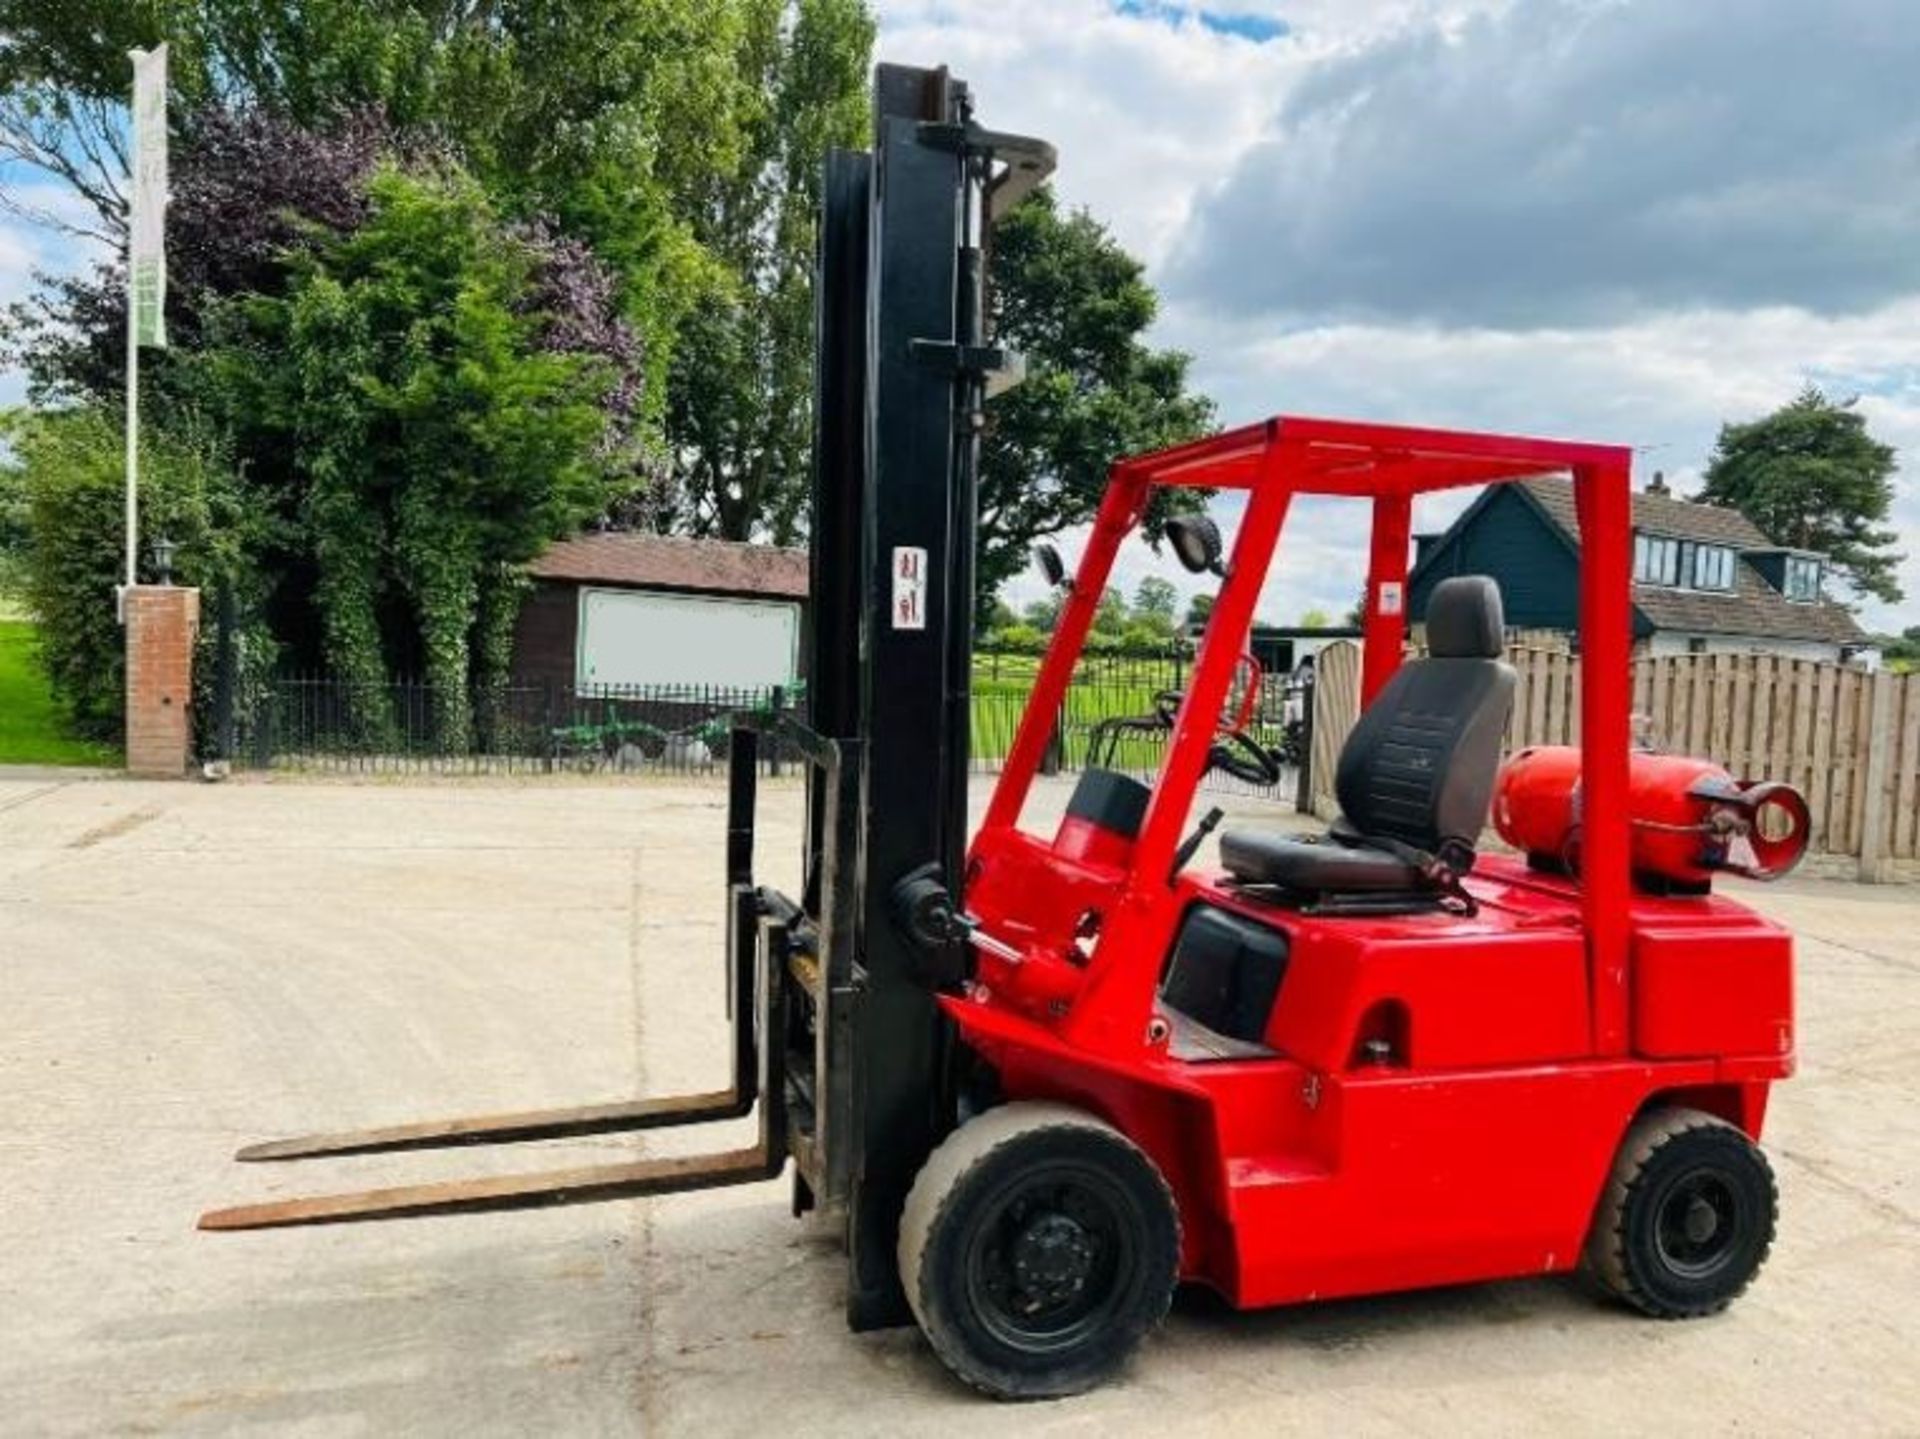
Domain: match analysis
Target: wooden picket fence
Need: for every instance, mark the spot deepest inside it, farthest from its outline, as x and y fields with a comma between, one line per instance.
x=1847, y=739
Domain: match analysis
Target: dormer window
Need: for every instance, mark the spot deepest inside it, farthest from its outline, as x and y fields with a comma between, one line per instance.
x=1712, y=567
x=1681, y=564
x=1655, y=561
x=1803, y=579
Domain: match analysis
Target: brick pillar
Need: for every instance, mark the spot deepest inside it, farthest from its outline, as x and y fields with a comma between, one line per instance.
x=162, y=622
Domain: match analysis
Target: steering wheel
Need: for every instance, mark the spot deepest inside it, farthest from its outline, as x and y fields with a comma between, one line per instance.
x=1235, y=752
x=1240, y=755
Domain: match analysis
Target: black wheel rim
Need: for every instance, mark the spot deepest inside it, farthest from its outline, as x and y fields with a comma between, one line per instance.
x=1698, y=1223
x=1050, y=1257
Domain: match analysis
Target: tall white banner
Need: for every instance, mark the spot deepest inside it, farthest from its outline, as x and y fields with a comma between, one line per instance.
x=146, y=269
x=147, y=253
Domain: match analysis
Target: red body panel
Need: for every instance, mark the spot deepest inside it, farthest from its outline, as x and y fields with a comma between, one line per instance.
x=1728, y=991
x=1510, y=1049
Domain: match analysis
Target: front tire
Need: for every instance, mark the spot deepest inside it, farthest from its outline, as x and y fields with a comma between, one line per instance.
x=1687, y=1218
x=1039, y=1245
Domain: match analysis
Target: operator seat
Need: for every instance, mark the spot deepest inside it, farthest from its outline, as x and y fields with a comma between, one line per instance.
x=1415, y=776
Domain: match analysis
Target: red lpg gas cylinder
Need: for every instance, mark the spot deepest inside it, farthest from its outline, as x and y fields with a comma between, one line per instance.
x=1689, y=818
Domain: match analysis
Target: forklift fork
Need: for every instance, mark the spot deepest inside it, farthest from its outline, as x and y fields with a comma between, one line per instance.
x=768, y=939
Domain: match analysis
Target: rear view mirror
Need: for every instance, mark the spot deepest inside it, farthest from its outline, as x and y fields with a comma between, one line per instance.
x=1196, y=543
x=1051, y=566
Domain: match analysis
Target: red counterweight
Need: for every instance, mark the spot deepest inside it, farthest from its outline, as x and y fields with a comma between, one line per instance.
x=1690, y=819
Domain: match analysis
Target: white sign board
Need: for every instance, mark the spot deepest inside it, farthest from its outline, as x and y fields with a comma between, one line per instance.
x=630, y=637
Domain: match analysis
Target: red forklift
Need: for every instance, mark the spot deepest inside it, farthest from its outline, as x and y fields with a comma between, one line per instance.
x=1041, y=1079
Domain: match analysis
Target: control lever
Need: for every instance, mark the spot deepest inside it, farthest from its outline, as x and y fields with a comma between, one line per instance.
x=1190, y=846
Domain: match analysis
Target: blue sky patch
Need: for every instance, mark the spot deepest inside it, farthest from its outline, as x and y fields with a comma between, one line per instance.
x=1257, y=28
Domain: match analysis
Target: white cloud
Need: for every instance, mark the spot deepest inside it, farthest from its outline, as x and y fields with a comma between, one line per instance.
x=18, y=256
x=1148, y=115
x=1582, y=160
x=1144, y=114
x=1662, y=385
x=1164, y=130
x=27, y=249
x=1164, y=127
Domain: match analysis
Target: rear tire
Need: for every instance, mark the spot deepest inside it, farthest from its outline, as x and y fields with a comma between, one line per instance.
x=1039, y=1245
x=1687, y=1217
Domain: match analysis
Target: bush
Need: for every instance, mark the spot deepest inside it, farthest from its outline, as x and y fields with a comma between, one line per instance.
x=67, y=470
x=1020, y=639
x=13, y=534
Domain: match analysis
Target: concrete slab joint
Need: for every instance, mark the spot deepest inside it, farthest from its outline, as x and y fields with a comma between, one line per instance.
x=162, y=623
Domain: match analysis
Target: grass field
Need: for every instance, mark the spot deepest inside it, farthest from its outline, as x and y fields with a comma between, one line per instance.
x=998, y=701
x=30, y=721
x=1104, y=688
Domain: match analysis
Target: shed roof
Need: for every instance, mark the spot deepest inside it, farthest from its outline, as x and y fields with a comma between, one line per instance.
x=640, y=560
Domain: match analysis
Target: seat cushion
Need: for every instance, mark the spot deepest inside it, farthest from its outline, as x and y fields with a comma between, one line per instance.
x=1314, y=866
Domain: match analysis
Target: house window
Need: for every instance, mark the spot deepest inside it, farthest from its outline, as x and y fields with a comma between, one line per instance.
x=1656, y=561
x=1681, y=563
x=1712, y=568
x=1803, y=579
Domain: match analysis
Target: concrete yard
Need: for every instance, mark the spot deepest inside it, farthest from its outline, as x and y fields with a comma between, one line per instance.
x=187, y=967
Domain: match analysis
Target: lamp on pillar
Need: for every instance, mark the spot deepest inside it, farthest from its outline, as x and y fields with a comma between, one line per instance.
x=161, y=552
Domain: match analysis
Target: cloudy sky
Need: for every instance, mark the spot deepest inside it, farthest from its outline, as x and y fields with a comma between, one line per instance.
x=1616, y=220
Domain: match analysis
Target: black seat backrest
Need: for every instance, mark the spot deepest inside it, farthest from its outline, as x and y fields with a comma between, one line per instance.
x=1419, y=765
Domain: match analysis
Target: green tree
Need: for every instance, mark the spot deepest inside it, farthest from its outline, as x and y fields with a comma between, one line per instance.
x=1147, y=636
x=436, y=440
x=1042, y=614
x=1199, y=609
x=1901, y=651
x=1315, y=619
x=1110, y=616
x=617, y=119
x=1076, y=304
x=611, y=117
x=1157, y=597
x=739, y=398
x=1811, y=476
x=1150, y=624
x=64, y=79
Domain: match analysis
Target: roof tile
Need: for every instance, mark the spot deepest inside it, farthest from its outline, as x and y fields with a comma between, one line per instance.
x=650, y=561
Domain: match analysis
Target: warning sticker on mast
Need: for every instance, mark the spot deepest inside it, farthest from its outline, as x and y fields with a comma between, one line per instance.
x=909, y=587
